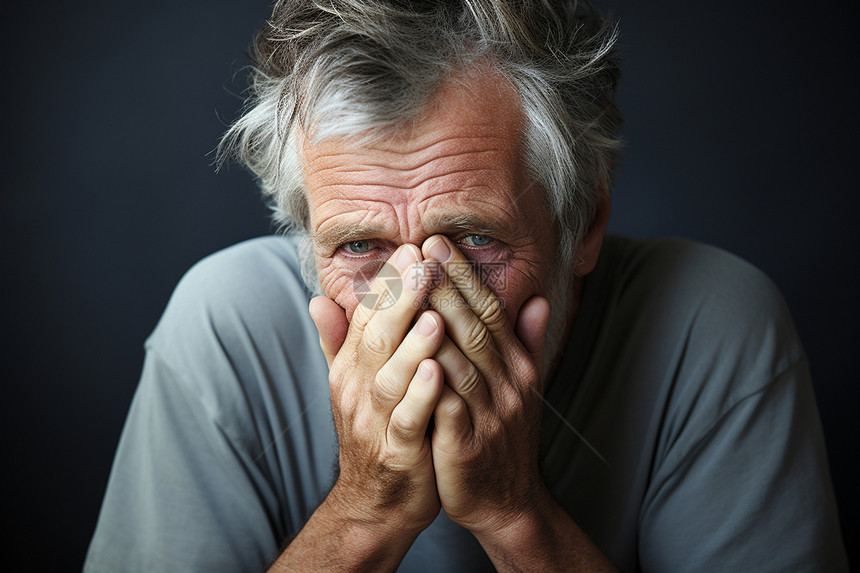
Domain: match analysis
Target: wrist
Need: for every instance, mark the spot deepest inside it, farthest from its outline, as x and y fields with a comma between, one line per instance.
x=522, y=528
x=542, y=538
x=347, y=537
x=339, y=538
x=360, y=512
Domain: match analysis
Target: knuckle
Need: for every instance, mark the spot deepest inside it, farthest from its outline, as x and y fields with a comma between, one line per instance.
x=340, y=385
x=404, y=426
x=375, y=341
x=532, y=376
x=414, y=351
x=362, y=314
x=469, y=381
x=491, y=311
x=452, y=407
x=510, y=399
x=525, y=375
x=344, y=362
x=383, y=392
x=477, y=338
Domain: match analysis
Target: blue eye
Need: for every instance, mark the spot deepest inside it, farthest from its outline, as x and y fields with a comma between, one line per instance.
x=358, y=247
x=477, y=240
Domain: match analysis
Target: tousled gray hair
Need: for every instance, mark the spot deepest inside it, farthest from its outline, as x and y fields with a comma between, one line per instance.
x=351, y=67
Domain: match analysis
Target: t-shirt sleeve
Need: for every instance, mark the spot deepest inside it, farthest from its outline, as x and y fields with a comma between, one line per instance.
x=159, y=512
x=228, y=444
x=752, y=494
x=740, y=479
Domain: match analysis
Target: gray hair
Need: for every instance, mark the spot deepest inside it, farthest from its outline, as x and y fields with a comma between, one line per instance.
x=350, y=67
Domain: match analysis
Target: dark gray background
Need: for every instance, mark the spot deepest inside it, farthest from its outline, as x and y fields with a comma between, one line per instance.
x=740, y=132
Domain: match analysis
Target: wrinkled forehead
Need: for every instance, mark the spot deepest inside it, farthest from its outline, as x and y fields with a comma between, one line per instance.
x=474, y=97
x=469, y=135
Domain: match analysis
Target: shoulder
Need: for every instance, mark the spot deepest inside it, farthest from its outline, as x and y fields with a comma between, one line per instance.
x=240, y=274
x=736, y=439
x=237, y=323
x=713, y=321
x=252, y=284
x=682, y=272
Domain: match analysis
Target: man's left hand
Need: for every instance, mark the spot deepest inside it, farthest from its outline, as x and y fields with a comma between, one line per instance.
x=487, y=422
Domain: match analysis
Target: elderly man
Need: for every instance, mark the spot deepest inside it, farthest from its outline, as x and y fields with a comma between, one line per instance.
x=509, y=390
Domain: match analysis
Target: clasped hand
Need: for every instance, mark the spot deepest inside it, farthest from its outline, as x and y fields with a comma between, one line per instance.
x=435, y=407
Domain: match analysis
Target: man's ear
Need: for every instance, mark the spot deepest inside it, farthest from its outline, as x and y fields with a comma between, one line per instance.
x=589, y=248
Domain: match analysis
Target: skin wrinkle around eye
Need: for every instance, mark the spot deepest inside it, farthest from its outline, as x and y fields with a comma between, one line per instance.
x=340, y=232
x=496, y=222
x=344, y=225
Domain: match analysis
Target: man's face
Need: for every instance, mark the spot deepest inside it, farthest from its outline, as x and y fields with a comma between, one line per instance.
x=457, y=172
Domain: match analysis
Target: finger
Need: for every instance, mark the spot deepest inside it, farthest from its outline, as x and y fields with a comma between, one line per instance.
x=385, y=331
x=407, y=427
x=392, y=380
x=378, y=329
x=462, y=377
x=480, y=298
x=452, y=424
x=531, y=327
x=466, y=330
x=331, y=323
x=384, y=286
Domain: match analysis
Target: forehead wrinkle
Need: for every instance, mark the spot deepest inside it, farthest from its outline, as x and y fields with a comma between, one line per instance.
x=348, y=223
x=448, y=170
x=436, y=184
x=342, y=157
x=369, y=198
x=454, y=179
x=461, y=146
x=503, y=209
x=464, y=212
x=383, y=184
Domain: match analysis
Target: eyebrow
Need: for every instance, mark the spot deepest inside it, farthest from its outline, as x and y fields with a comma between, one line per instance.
x=480, y=224
x=340, y=234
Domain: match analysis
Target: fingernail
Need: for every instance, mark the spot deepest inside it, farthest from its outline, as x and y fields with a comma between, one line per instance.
x=439, y=250
x=426, y=325
x=406, y=257
x=425, y=372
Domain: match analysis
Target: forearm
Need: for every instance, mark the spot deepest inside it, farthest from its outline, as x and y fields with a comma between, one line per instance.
x=545, y=540
x=333, y=540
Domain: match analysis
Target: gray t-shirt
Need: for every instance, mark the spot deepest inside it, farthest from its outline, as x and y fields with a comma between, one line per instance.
x=683, y=373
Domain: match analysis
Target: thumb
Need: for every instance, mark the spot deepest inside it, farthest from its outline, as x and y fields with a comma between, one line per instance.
x=531, y=327
x=330, y=320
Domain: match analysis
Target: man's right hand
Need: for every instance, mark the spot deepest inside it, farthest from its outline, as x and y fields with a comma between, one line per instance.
x=384, y=388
